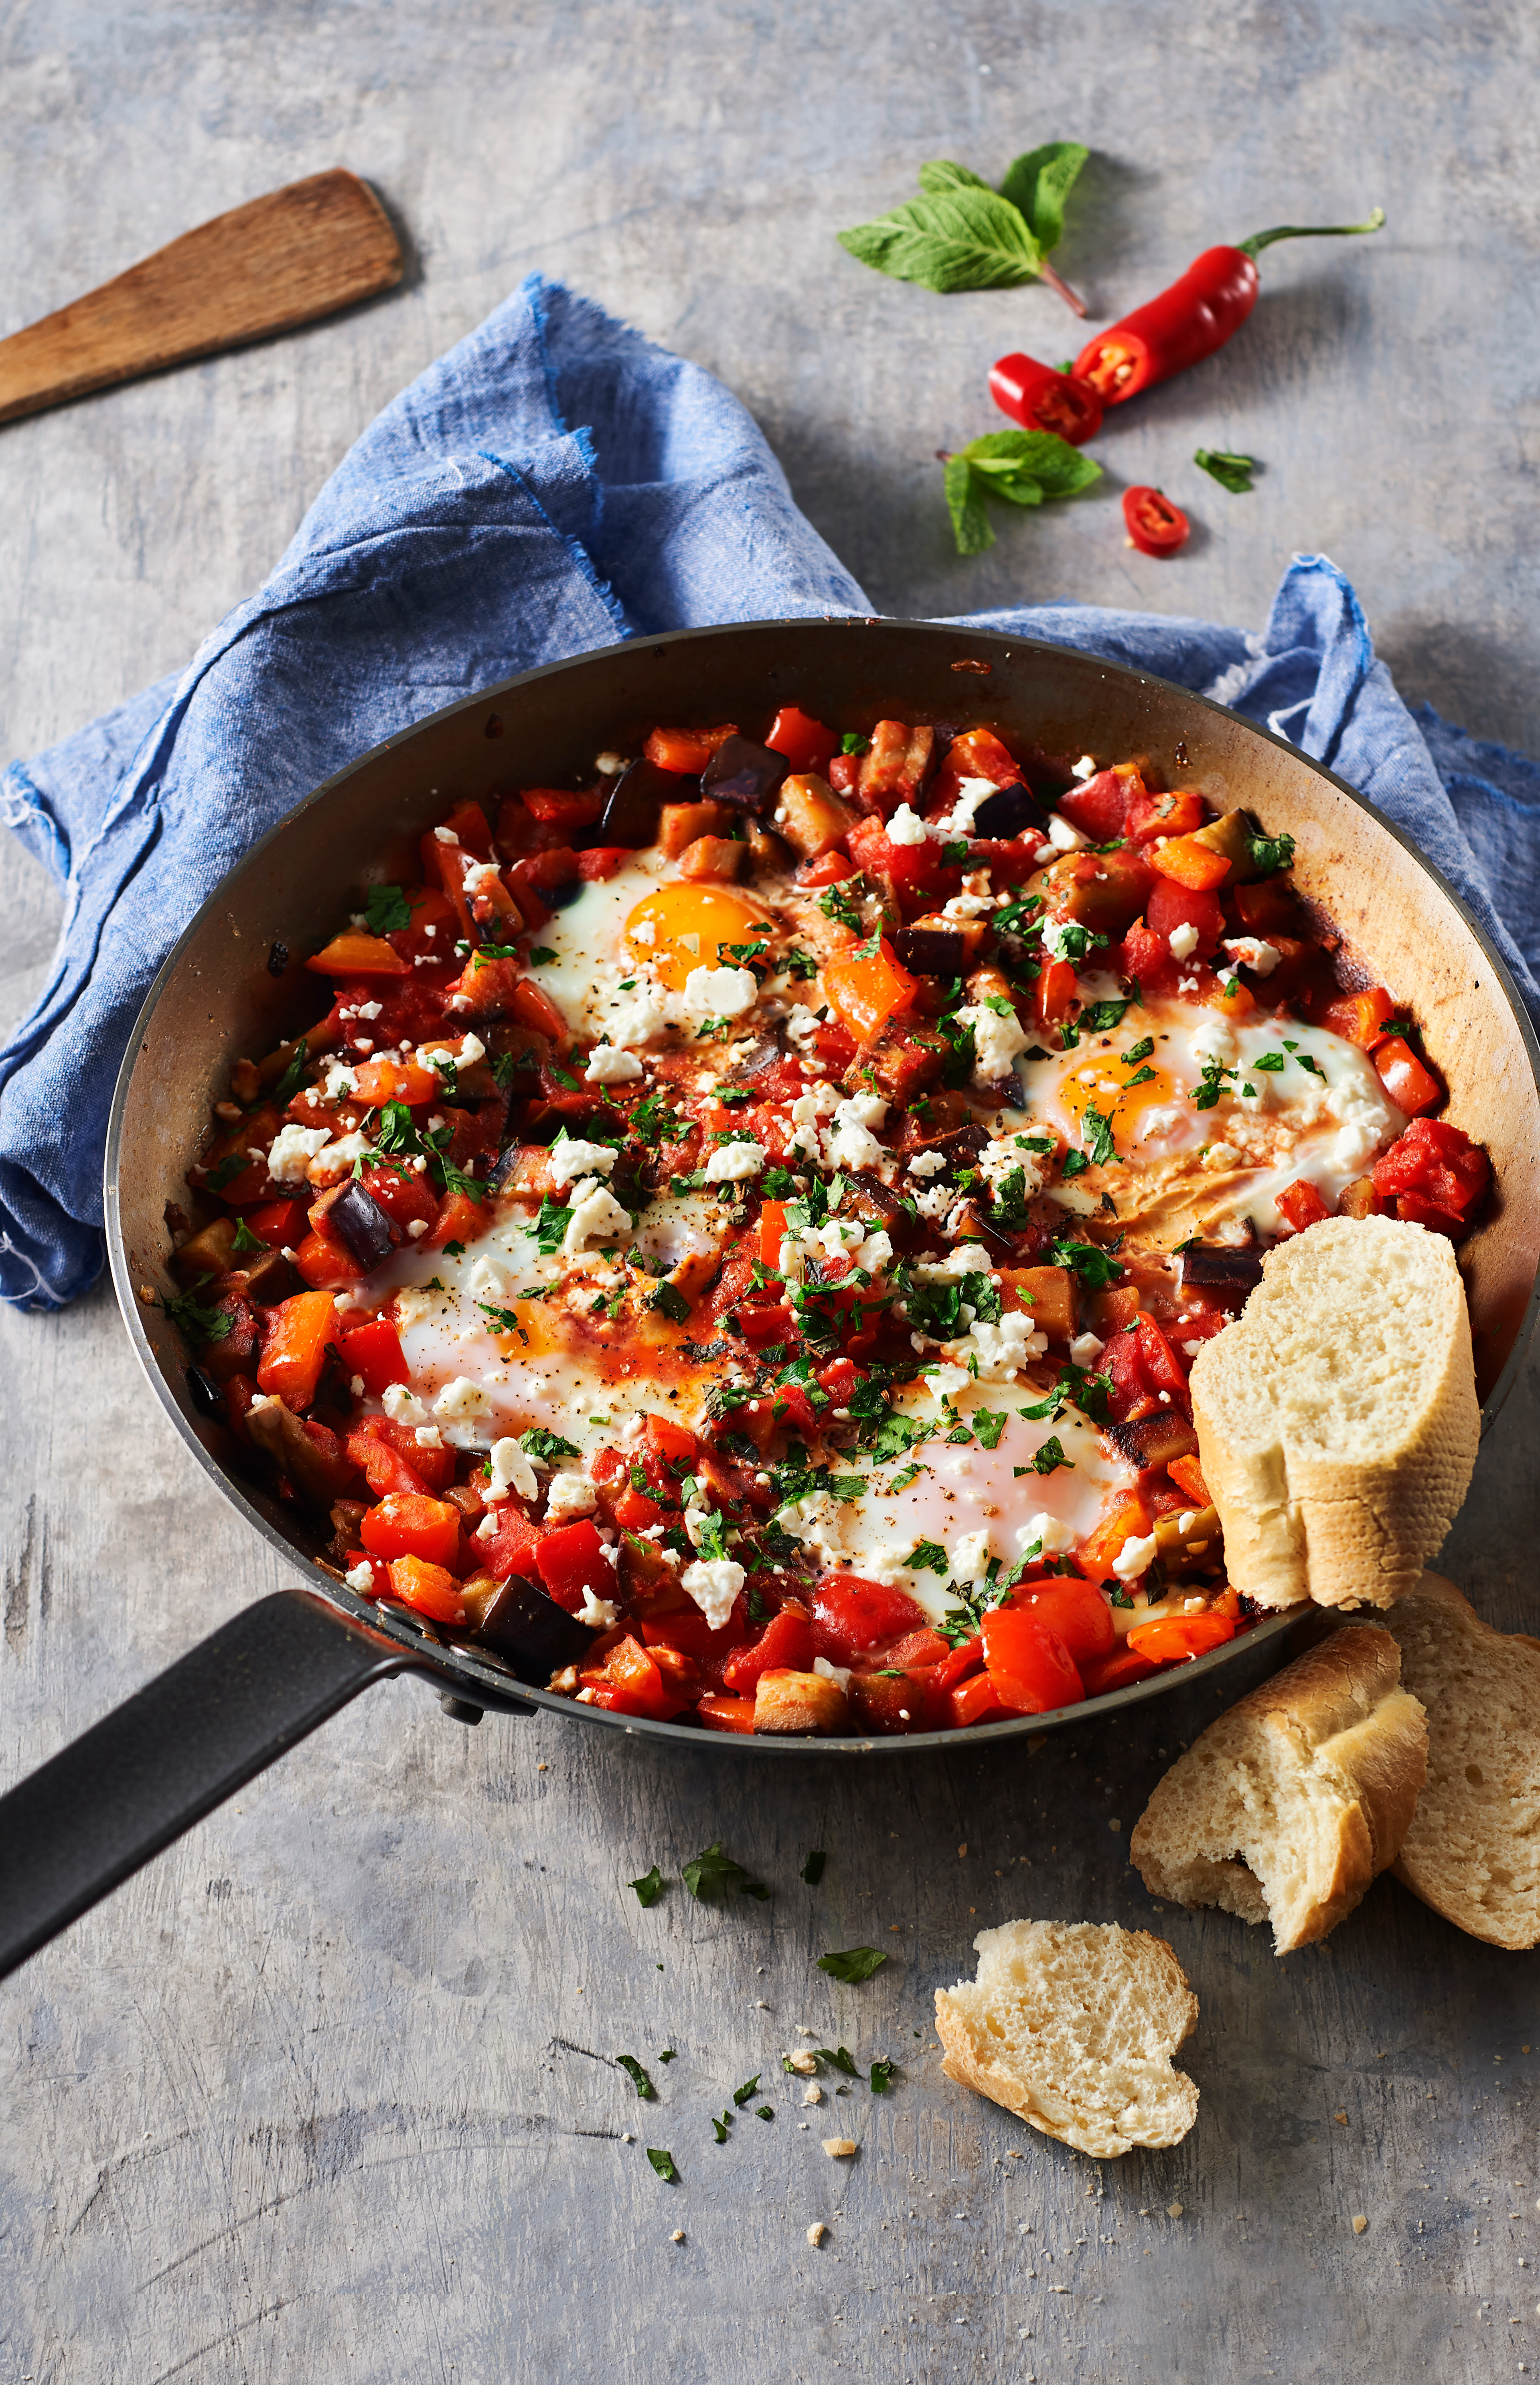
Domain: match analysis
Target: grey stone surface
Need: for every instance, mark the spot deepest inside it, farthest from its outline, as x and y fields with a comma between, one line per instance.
x=326, y=2092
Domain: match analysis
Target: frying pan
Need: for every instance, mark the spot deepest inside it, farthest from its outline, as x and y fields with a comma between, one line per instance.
x=235, y=984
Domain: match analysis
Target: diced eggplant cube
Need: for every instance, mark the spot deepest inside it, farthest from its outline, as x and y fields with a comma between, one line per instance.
x=1217, y=1268
x=531, y=1632
x=1010, y=812
x=362, y=1226
x=745, y=775
x=930, y=952
x=631, y=817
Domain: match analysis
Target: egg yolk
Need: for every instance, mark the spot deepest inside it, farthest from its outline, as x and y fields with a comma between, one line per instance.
x=684, y=927
x=1107, y=1086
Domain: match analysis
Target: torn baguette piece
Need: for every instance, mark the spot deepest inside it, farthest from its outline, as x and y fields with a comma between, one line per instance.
x=1473, y=1849
x=1073, y=2025
x=1336, y=1418
x=1291, y=1804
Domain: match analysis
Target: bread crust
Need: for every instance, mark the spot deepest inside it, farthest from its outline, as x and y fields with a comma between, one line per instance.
x=1470, y=1852
x=1319, y=1506
x=1292, y=1802
x=1041, y=2090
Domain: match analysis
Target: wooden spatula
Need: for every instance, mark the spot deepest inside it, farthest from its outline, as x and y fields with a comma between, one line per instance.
x=276, y=262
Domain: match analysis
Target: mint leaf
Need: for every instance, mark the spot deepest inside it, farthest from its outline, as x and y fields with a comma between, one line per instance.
x=970, y=525
x=539, y=954
x=882, y=2076
x=857, y=1963
x=1232, y=473
x=839, y=2058
x=245, y=1240
x=721, y=2128
x=961, y=237
x=292, y=1078
x=1041, y=456
x=671, y=1300
x=1050, y=1457
x=812, y=1870
x=929, y=1556
x=1038, y=183
x=648, y=1888
x=1271, y=854
x=990, y=1423
x=712, y=1869
x=662, y=2162
x=750, y=2087
x=637, y=2077
x=387, y=910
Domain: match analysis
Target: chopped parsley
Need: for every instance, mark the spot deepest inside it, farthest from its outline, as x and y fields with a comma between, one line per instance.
x=387, y=910
x=245, y=1240
x=648, y=1888
x=191, y=1316
x=712, y=1870
x=1050, y=1457
x=662, y=2162
x=638, y=2078
x=548, y=1446
x=671, y=1301
x=1095, y=1267
x=928, y=1557
x=812, y=1870
x=1270, y=854
x=857, y=1963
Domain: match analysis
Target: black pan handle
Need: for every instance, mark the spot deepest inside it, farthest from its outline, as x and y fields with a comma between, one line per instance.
x=156, y=1765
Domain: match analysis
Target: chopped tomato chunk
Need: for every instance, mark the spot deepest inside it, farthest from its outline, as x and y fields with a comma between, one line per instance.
x=573, y=1564
x=1300, y=1204
x=294, y=1352
x=1412, y=1087
x=1029, y=1664
x=805, y=742
x=1172, y=1638
x=854, y=1614
x=404, y=1525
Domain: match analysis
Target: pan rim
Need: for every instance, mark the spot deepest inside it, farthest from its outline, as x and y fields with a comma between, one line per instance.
x=469, y=1677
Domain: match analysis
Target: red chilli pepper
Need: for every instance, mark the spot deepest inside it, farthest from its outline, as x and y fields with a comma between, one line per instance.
x=1040, y=398
x=1155, y=525
x=1192, y=319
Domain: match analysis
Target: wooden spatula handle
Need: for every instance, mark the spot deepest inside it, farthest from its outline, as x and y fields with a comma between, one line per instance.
x=279, y=262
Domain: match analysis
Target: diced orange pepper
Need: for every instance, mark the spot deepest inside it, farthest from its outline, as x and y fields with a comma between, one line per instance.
x=295, y=1349
x=669, y=1439
x=1228, y=994
x=827, y=870
x=325, y=1265
x=869, y=989
x=1187, y=1475
x=1171, y=1638
x=357, y=953
x=404, y=1525
x=685, y=750
x=1129, y=1520
x=1196, y=866
x=719, y=1712
x=431, y=1588
x=378, y=1081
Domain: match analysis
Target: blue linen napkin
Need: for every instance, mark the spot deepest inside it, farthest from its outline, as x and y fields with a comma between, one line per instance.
x=552, y=484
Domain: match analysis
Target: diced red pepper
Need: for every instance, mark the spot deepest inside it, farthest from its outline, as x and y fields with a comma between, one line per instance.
x=805, y=742
x=1128, y=1520
x=1300, y=1204
x=827, y=870
x=599, y=861
x=279, y=1224
x=1029, y=1664
x=1042, y=398
x=1172, y=906
x=633, y=1683
x=379, y=1570
x=1162, y=1370
x=760, y=1326
x=433, y=1462
x=378, y=1081
x=1412, y=1087
x=1165, y=815
x=853, y=1614
x=1076, y=1611
x=787, y=1643
x=1055, y=993
x=572, y=1565
x=1098, y=807
x=844, y=774
x=558, y=805
x=514, y=1546
x=374, y=1351
x=460, y=1219
x=294, y=1352
x=1360, y=1016
x=405, y=1525
x=1115, y=1672
x=383, y=1466
x=978, y=1700
x=405, y=1199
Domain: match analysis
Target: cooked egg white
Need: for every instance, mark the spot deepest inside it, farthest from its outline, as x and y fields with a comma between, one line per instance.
x=1290, y=1101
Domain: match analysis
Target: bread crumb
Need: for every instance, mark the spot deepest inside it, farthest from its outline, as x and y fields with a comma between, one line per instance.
x=1341, y=2118
x=839, y=2148
x=963, y=1848
x=1173, y=2210
x=813, y=2094
x=678, y=2236
x=1359, y=2223
x=804, y=2063
x=817, y=2232
x=1114, y=1826
x=542, y=1767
